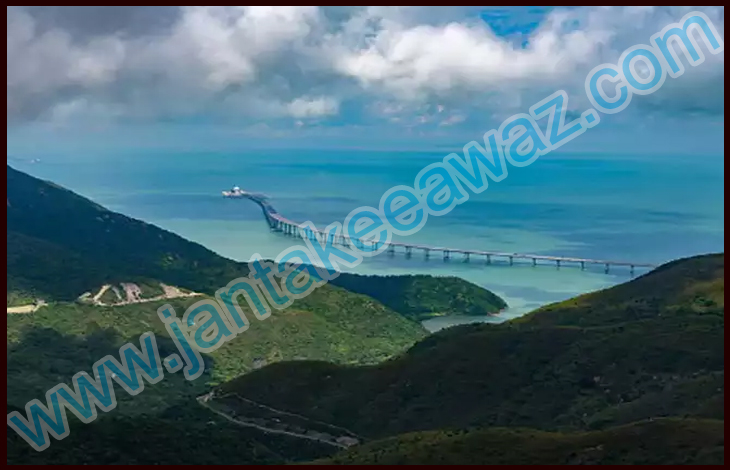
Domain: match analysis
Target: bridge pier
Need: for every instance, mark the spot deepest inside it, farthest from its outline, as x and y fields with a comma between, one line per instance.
x=534, y=261
x=489, y=259
x=582, y=265
x=408, y=251
x=447, y=255
x=511, y=260
x=557, y=261
x=466, y=257
x=632, y=270
x=426, y=253
x=606, y=269
x=391, y=250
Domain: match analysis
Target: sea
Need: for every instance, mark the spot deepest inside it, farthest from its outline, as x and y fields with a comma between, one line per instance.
x=635, y=208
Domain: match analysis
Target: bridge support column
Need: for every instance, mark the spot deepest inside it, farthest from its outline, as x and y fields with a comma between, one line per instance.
x=582, y=265
x=489, y=259
x=408, y=251
x=447, y=255
x=534, y=261
x=511, y=260
x=632, y=270
x=466, y=257
x=606, y=270
x=557, y=263
x=426, y=253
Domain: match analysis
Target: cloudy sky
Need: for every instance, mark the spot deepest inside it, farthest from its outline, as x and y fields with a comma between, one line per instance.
x=334, y=72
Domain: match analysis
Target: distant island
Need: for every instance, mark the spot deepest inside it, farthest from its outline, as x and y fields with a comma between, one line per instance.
x=421, y=297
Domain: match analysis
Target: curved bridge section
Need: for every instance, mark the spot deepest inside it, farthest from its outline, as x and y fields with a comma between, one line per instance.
x=279, y=223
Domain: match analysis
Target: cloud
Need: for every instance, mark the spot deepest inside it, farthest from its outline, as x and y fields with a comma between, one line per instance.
x=312, y=107
x=467, y=61
x=47, y=67
x=262, y=63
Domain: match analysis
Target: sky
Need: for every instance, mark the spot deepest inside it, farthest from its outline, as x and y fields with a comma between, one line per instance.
x=85, y=77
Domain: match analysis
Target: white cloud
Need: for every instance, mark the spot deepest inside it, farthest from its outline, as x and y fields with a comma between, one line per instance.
x=304, y=62
x=465, y=58
x=312, y=107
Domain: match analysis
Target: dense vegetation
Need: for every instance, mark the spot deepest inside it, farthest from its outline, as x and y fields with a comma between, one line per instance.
x=184, y=434
x=653, y=347
x=334, y=326
x=420, y=297
x=61, y=245
x=662, y=441
x=51, y=345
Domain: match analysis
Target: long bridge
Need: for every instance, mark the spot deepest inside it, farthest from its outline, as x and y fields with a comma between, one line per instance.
x=279, y=223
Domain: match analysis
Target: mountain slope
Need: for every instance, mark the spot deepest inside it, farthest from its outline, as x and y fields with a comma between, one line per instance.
x=185, y=434
x=692, y=286
x=662, y=441
x=666, y=361
x=47, y=224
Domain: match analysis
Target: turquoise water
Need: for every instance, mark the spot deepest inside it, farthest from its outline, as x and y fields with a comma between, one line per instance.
x=648, y=209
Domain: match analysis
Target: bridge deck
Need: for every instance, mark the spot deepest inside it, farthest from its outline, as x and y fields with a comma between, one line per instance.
x=272, y=214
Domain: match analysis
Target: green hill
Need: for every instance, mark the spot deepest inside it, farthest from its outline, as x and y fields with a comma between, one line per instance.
x=61, y=245
x=657, y=350
x=420, y=297
x=686, y=287
x=332, y=325
x=658, y=442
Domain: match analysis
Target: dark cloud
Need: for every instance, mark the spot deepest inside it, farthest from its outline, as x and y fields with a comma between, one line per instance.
x=85, y=22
